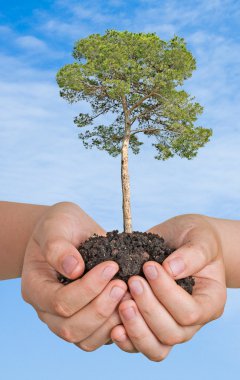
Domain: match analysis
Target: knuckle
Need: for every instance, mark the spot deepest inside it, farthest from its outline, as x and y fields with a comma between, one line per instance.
x=101, y=313
x=87, y=347
x=51, y=249
x=173, y=339
x=61, y=309
x=66, y=334
x=89, y=291
x=191, y=318
x=157, y=358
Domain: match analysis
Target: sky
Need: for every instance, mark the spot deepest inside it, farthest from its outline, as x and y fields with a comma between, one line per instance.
x=42, y=161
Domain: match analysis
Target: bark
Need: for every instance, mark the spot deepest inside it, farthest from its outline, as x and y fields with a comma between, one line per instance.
x=126, y=206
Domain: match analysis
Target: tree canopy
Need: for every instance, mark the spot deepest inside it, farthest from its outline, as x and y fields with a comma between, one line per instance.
x=137, y=79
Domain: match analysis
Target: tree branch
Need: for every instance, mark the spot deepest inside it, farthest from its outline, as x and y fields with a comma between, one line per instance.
x=145, y=130
x=140, y=102
x=144, y=112
x=102, y=112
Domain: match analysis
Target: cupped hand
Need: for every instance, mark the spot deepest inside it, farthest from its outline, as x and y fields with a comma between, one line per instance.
x=84, y=311
x=162, y=314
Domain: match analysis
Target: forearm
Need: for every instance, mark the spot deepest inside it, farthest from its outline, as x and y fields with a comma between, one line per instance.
x=17, y=221
x=229, y=234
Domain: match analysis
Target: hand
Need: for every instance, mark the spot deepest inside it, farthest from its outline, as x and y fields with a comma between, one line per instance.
x=84, y=311
x=161, y=313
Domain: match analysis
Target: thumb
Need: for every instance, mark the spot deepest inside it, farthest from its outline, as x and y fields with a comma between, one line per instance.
x=187, y=260
x=54, y=234
x=63, y=256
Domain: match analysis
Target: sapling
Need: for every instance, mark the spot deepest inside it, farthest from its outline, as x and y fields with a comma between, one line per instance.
x=136, y=79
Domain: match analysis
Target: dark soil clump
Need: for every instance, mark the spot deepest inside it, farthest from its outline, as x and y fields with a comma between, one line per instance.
x=130, y=251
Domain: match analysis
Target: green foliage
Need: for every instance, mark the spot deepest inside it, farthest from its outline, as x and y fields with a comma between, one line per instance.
x=136, y=78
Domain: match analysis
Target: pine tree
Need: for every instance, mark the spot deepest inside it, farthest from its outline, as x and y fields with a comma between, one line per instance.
x=138, y=79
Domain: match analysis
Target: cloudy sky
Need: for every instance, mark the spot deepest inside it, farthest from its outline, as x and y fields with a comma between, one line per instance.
x=42, y=161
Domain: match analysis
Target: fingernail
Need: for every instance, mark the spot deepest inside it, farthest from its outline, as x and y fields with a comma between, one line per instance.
x=136, y=287
x=151, y=272
x=117, y=293
x=69, y=264
x=109, y=272
x=177, y=266
x=128, y=313
x=121, y=338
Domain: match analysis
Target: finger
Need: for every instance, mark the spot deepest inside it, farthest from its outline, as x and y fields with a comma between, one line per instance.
x=140, y=334
x=199, y=248
x=159, y=320
x=118, y=333
x=127, y=296
x=82, y=324
x=61, y=233
x=176, y=300
x=64, y=257
x=120, y=338
x=52, y=297
x=102, y=335
x=79, y=293
x=187, y=310
x=211, y=297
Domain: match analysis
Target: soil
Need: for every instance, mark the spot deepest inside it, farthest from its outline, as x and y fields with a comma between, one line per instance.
x=130, y=251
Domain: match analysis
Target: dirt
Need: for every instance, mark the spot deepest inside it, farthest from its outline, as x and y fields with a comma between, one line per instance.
x=130, y=251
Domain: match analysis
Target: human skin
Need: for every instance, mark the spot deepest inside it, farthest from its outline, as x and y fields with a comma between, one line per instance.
x=35, y=241
x=161, y=314
x=52, y=233
x=229, y=234
x=178, y=323
x=84, y=308
x=17, y=221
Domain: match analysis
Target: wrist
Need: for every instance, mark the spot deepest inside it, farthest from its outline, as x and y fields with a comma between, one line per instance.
x=229, y=237
x=17, y=222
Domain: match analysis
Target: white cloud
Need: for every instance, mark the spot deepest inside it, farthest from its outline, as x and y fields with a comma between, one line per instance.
x=163, y=30
x=5, y=30
x=28, y=44
x=66, y=29
x=91, y=13
x=37, y=127
x=31, y=42
x=201, y=37
x=183, y=18
x=81, y=19
x=48, y=163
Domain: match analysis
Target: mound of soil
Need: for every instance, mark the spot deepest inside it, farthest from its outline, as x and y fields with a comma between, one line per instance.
x=130, y=251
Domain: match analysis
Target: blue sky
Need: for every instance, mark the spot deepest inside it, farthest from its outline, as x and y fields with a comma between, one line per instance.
x=42, y=161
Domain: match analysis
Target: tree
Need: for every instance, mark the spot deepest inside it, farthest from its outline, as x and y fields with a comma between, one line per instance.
x=137, y=78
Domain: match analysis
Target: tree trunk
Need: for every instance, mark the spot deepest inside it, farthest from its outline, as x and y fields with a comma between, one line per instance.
x=127, y=218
